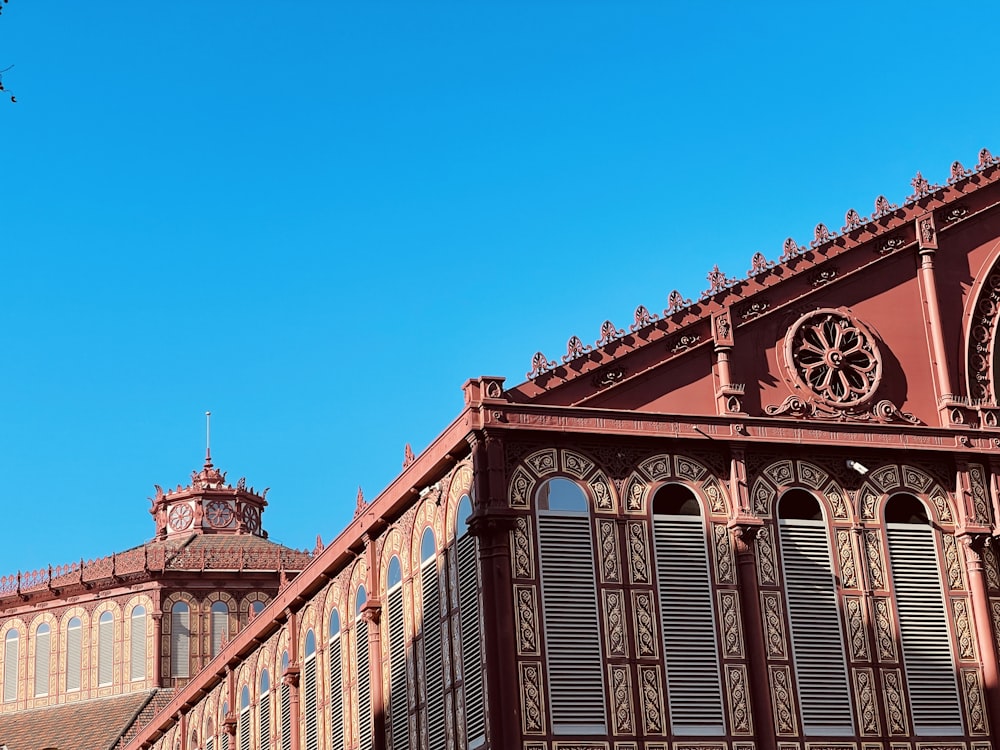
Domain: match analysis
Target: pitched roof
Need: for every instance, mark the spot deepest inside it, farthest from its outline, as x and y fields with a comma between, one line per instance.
x=87, y=725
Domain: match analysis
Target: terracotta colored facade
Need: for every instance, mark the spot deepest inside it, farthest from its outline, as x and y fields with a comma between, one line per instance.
x=763, y=518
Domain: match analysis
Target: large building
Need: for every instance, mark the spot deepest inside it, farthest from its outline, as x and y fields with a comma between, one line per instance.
x=762, y=518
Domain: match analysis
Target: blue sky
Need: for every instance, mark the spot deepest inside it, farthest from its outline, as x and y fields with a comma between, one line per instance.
x=318, y=219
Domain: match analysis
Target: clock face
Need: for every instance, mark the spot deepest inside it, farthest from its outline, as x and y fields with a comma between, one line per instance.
x=180, y=517
x=219, y=514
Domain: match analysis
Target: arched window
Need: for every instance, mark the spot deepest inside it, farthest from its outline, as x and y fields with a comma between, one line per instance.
x=285, y=708
x=264, y=727
x=336, y=685
x=220, y=626
x=398, y=732
x=105, y=649
x=137, y=644
x=309, y=697
x=364, y=692
x=74, y=654
x=180, y=640
x=256, y=608
x=43, y=651
x=469, y=616
x=224, y=738
x=687, y=613
x=814, y=614
x=569, y=591
x=11, y=652
x=243, y=722
x=210, y=734
x=431, y=629
x=923, y=621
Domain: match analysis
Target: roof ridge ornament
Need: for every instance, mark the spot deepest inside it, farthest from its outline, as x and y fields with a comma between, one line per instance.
x=609, y=333
x=677, y=302
x=821, y=235
x=986, y=160
x=759, y=264
x=540, y=364
x=789, y=250
x=575, y=348
x=717, y=282
x=959, y=172
x=921, y=188
x=643, y=318
x=883, y=207
x=852, y=220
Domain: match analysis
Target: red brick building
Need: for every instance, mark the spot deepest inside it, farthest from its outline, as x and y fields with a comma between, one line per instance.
x=762, y=518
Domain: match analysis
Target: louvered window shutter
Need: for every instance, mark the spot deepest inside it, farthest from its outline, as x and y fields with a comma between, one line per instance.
x=688, y=625
x=336, y=695
x=264, y=728
x=137, y=645
x=817, y=642
x=365, y=733
x=923, y=626
x=42, y=654
x=433, y=654
x=220, y=626
x=399, y=737
x=105, y=649
x=244, y=729
x=286, y=717
x=471, y=640
x=180, y=637
x=10, y=656
x=74, y=655
x=225, y=740
x=210, y=743
x=309, y=703
x=572, y=629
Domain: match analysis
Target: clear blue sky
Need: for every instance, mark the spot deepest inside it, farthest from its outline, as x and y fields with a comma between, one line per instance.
x=318, y=219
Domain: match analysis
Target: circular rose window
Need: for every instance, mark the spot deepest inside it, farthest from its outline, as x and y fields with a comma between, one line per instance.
x=835, y=356
x=180, y=517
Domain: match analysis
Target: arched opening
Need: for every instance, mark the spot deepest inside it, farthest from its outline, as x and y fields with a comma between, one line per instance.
x=137, y=644
x=396, y=700
x=366, y=735
x=264, y=711
x=220, y=626
x=309, y=696
x=74, y=654
x=43, y=650
x=336, y=673
x=470, y=632
x=180, y=640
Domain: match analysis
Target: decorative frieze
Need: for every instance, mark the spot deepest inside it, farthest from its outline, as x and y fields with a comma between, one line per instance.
x=963, y=629
x=781, y=699
x=975, y=706
x=651, y=689
x=732, y=630
x=895, y=704
x=522, y=559
x=845, y=554
x=873, y=557
x=610, y=560
x=645, y=624
x=857, y=634
x=864, y=696
x=774, y=625
x=527, y=620
x=638, y=552
x=532, y=699
x=885, y=636
x=766, y=565
x=953, y=563
x=739, y=699
x=614, y=622
x=621, y=698
x=724, y=569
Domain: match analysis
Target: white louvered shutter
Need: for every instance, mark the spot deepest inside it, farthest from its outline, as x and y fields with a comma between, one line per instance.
x=433, y=654
x=137, y=645
x=817, y=641
x=365, y=733
x=264, y=727
x=10, y=657
x=180, y=642
x=210, y=743
x=225, y=740
x=923, y=626
x=336, y=695
x=244, y=729
x=399, y=733
x=471, y=640
x=105, y=650
x=42, y=653
x=220, y=626
x=285, y=709
x=74, y=655
x=687, y=615
x=309, y=704
x=572, y=629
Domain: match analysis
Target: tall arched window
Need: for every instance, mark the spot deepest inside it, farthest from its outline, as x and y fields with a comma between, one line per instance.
x=74, y=654
x=923, y=621
x=431, y=629
x=569, y=591
x=243, y=721
x=687, y=613
x=137, y=644
x=285, y=708
x=210, y=734
x=309, y=698
x=264, y=702
x=471, y=635
x=336, y=684
x=180, y=640
x=814, y=614
x=43, y=651
x=364, y=691
x=224, y=739
x=220, y=626
x=105, y=649
x=398, y=733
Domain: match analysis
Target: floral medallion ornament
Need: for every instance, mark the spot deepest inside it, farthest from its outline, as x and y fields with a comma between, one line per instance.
x=834, y=356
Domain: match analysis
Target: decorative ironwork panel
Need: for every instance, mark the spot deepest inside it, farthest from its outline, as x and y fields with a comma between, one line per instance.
x=874, y=559
x=990, y=565
x=837, y=500
x=845, y=553
x=895, y=704
x=689, y=469
x=724, y=570
x=781, y=699
x=885, y=478
x=532, y=699
x=716, y=497
x=575, y=464
x=864, y=696
x=885, y=636
x=811, y=475
x=732, y=628
x=780, y=472
x=522, y=561
x=601, y=488
x=521, y=485
x=657, y=467
x=766, y=567
x=634, y=492
x=941, y=504
x=527, y=620
x=739, y=701
x=868, y=501
x=995, y=611
x=857, y=634
x=614, y=622
x=916, y=479
x=975, y=706
x=621, y=698
x=953, y=562
x=610, y=559
x=980, y=497
x=774, y=625
x=645, y=624
x=651, y=688
x=638, y=552
x=542, y=462
x=762, y=498
x=963, y=628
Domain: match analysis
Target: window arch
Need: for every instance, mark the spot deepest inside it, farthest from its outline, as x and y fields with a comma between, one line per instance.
x=687, y=612
x=569, y=593
x=396, y=700
x=336, y=683
x=470, y=630
x=210, y=734
x=264, y=702
x=43, y=652
x=309, y=697
x=364, y=691
x=432, y=631
x=137, y=644
x=285, y=707
x=923, y=622
x=243, y=721
x=74, y=654
x=180, y=640
x=224, y=737
x=105, y=649
x=814, y=615
x=11, y=653
x=220, y=626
